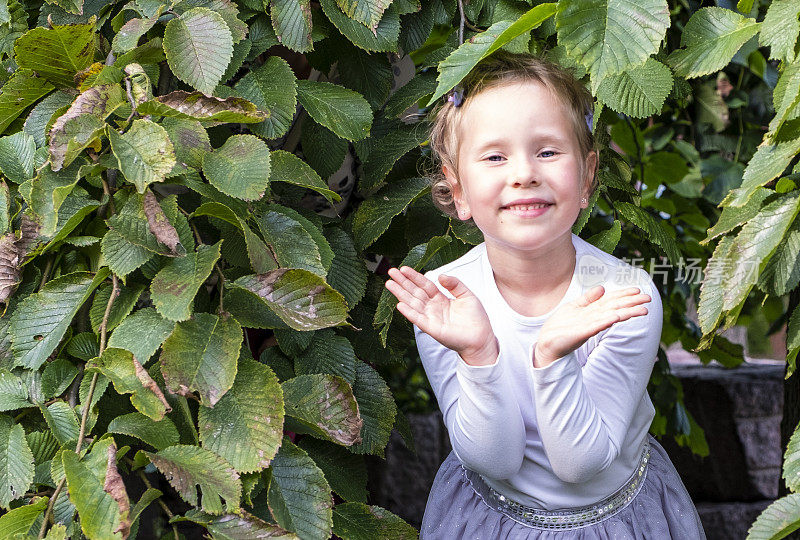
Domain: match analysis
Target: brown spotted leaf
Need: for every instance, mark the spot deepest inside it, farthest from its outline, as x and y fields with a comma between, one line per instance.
x=115, y=487
x=200, y=356
x=174, y=287
x=9, y=266
x=302, y=299
x=197, y=106
x=325, y=405
x=29, y=235
x=160, y=225
x=244, y=525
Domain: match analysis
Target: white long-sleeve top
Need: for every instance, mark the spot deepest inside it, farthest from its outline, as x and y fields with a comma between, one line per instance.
x=561, y=436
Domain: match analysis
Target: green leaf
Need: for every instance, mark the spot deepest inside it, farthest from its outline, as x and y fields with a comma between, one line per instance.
x=299, y=497
x=296, y=242
x=246, y=425
x=103, y=506
x=373, y=216
x=767, y=163
x=388, y=149
x=287, y=167
x=325, y=406
x=652, y=228
x=13, y=392
x=791, y=463
x=142, y=333
x=46, y=192
x=83, y=123
x=323, y=150
x=199, y=46
x=226, y=8
x=423, y=84
x=638, y=91
x=158, y=434
x=348, y=273
x=127, y=38
x=711, y=37
x=20, y=91
x=610, y=36
x=377, y=409
x=607, y=240
x=786, y=97
x=196, y=106
x=238, y=526
x=123, y=304
x=200, y=355
x=782, y=273
x=328, y=354
x=16, y=156
x=733, y=216
x=778, y=520
x=240, y=167
x=144, y=153
x=272, y=87
x=368, y=74
x=382, y=38
x=62, y=421
x=57, y=53
x=367, y=12
x=302, y=299
x=39, y=118
x=174, y=287
x=131, y=222
x=20, y=520
x=16, y=462
x=187, y=466
x=345, y=472
x=190, y=141
x=123, y=257
x=461, y=61
x=291, y=20
x=358, y=521
x=41, y=319
x=343, y=111
x=57, y=376
x=780, y=29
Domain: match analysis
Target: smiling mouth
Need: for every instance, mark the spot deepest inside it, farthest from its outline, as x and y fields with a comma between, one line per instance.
x=524, y=207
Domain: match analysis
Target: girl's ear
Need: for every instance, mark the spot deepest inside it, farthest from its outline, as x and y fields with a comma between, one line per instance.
x=590, y=168
x=461, y=205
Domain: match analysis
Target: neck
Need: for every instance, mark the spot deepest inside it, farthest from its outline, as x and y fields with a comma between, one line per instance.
x=533, y=272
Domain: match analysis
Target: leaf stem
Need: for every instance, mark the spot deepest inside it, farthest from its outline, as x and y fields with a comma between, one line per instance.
x=638, y=153
x=461, y=22
x=46, y=272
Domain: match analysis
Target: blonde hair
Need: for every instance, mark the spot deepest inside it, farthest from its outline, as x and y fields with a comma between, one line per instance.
x=504, y=68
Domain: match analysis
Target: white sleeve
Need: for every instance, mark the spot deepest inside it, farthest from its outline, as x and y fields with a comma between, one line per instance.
x=479, y=407
x=584, y=414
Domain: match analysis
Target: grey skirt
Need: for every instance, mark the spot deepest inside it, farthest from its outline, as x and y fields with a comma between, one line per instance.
x=659, y=507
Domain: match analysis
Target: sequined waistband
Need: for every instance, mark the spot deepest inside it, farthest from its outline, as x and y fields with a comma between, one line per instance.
x=570, y=518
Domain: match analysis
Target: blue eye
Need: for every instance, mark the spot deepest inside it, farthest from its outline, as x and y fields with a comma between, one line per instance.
x=492, y=158
x=551, y=152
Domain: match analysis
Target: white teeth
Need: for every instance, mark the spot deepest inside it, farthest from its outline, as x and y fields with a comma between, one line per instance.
x=526, y=206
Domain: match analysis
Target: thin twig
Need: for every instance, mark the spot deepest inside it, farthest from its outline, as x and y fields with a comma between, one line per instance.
x=221, y=283
x=638, y=152
x=130, y=98
x=461, y=22
x=161, y=503
x=46, y=272
x=107, y=191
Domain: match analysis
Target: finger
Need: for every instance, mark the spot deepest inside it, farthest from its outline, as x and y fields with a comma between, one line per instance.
x=420, y=281
x=455, y=286
x=410, y=285
x=413, y=316
x=629, y=313
x=629, y=301
x=592, y=295
x=403, y=295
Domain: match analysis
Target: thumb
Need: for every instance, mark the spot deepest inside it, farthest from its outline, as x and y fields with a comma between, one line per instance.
x=592, y=295
x=455, y=286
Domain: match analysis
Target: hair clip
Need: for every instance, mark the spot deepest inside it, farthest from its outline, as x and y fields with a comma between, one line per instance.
x=589, y=117
x=456, y=96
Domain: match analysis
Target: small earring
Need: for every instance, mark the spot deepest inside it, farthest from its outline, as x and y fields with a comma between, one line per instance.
x=584, y=201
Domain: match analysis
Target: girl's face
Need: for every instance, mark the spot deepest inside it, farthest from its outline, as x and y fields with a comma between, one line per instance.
x=521, y=173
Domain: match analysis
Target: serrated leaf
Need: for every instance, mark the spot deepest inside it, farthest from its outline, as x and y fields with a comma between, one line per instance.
x=16, y=462
x=41, y=319
x=123, y=304
x=62, y=421
x=103, y=506
x=160, y=226
x=410, y=93
x=20, y=91
x=609, y=36
x=226, y=8
x=358, y=521
x=711, y=37
x=129, y=377
x=238, y=527
x=786, y=97
x=16, y=156
x=196, y=106
x=302, y=299
x=57, y=376
x=368, y=74
x=144, y=153
x=638, y=91
x=83, y=123
x=122, y=256
x=187, y=466
x=291, y=20
x=46, y=192
x=190, y=142
x=387, y=151
x=343, y=111
x=158, y=434
x=791, y=463
x=607, y=240
x=174, y=287
x=299, y=497
x=41, y=114
x=782, y=273
x=76, y=206
x=83, y=346
x=651, y=227
x=20, y=520
x=778, y=520
x=272, y=87
x=382, y=38
x=780, y=29
x=142, y=333
x=245, y=425
x=57, y=53
x=131, y=223
x=345, y=472
x=325, y=406
x=296, y=242
x=323, y=150
x=367, y=12
x=240, y=167
x=328, y=354
x=287, y=167
x=127, y=38
x=461, y=61
x=200, y=355
x=377, y=409
x=13, y=392
x=374, y=215
x=199, y=46
x=767, y=163
x=733, y=216
x=348, y=273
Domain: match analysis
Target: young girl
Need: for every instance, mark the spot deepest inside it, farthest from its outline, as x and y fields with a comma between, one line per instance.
x=537, y=344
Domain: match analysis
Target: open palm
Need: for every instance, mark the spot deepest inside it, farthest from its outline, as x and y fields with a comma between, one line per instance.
x=460, y=323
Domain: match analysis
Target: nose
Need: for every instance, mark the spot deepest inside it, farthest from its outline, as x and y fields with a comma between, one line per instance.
x=524, y=173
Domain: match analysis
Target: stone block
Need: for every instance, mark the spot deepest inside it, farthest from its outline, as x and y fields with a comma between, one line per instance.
x=729, y=521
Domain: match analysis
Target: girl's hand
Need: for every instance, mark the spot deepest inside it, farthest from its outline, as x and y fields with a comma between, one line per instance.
x=575, y=322
x=460, y=324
